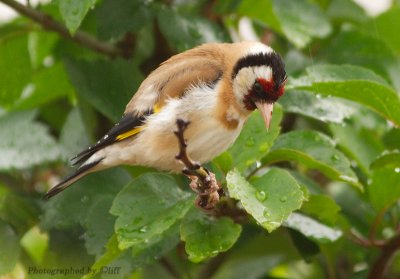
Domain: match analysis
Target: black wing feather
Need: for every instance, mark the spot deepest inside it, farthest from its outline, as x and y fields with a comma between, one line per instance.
x=128, y=122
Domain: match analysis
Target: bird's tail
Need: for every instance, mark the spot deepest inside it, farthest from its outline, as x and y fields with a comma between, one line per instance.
x=83, y=170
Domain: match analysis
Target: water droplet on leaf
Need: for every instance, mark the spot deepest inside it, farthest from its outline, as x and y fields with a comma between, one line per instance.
x=143, y=229
x=261, y=196
x=270, y=225
x=335, y=157
x=250, y=141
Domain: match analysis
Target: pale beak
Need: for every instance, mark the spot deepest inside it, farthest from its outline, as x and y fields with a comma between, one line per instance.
x=266, y=112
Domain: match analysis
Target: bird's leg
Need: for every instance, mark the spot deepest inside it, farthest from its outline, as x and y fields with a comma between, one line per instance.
x=203, y=181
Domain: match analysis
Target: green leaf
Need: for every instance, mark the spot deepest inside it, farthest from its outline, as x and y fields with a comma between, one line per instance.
x=99, y=225
x=112, y=252
x=385, y=28
x=74, y=136
x=352, y=83
x=269, y=199
x=384, y=189
x=24, y=142
x=258, y=254
x=19, y=211
x=346, y=10
x=35, y=244
x=183, y=32
x=307, y=104
x=207, y=236
x=254, y=140
x=391, y=138
x=301, y=21
x=147, y=207
x=387, y=159
x=359, y=217
x=107, y=85
x=306, y=247
x=47, y=85
x=322, y=207
x=354, y=47
x=312, y=229
x=40, y=47
x=311, y=186
x=132, y=15
x=72, y=206
x=314, y=150
x=9, y=248
x=261, y=11
x=74, y=11
x=156, y=247
x=359, y=143
x=15, y=69
x=142, y=254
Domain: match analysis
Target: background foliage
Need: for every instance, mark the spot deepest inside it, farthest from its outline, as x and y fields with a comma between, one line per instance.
x=318, y=194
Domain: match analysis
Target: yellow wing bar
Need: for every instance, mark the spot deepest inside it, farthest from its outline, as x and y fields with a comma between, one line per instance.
x=129, y=133
x=134, y=131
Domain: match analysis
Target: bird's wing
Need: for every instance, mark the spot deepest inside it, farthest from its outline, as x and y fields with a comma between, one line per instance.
x=172, y=79
x=128, y=126
x=201, y=65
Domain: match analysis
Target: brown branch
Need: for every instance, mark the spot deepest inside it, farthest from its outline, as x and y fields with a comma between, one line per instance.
x=365, y=242
x=381, y=265
x=182, y=155
x=375, y=225
x=82, y=38
x=203, y=181
x=168, y=267
x=212, y=266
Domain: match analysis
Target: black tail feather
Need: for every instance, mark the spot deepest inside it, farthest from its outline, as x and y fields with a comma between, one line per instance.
x=70, y=179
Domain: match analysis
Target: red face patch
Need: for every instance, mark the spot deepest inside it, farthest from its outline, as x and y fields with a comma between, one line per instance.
x=269, y=87
x=263, y=91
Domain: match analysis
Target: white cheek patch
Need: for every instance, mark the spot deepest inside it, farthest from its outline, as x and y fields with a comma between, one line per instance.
x=264, y=72
x=245, y=78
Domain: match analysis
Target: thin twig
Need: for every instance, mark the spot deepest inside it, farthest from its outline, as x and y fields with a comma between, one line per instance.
x=381, y=265
x=212, y=266
x=375, y=225
x=168, y=267
x=365, y=242
x=182, y=155
x=82, y=38
x=203, y=181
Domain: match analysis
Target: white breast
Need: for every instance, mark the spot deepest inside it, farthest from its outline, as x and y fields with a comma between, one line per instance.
x=156, y=145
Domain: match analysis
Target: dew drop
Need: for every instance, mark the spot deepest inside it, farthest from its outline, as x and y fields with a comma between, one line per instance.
x=85, y=199
x=250, y=141
x=261, y=196
x=270, y=226
x=335, y=157
x=214, y=253
x=266, y=213
x=143, y=229
x=283, y=199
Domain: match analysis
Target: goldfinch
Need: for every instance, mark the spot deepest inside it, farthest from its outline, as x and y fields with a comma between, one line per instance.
x=214, y=86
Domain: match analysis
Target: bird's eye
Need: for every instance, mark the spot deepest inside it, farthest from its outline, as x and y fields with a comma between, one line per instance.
x=257, y=87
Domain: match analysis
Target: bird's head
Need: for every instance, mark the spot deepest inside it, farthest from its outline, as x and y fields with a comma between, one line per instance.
x=259, y=79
